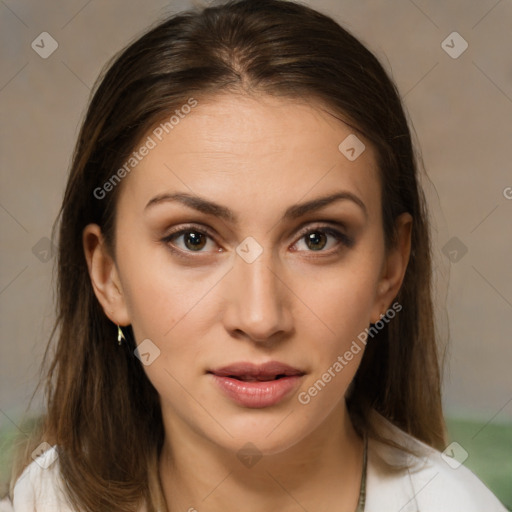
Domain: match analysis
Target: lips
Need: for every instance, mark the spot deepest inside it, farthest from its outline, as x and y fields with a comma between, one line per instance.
x=257, y=386
x=249, y=372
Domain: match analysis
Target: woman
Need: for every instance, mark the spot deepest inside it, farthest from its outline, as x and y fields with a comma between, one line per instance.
x=245, y=317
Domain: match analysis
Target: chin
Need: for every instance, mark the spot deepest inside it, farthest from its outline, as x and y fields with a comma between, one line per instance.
x=269, y=432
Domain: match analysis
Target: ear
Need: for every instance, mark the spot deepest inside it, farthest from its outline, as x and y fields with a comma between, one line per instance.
x=104, y=276
x=395, y=265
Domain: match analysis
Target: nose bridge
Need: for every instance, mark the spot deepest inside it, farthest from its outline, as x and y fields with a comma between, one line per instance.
x=258, y=303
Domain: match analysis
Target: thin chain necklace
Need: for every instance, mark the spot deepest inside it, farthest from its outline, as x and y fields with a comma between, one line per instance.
x=362, y=490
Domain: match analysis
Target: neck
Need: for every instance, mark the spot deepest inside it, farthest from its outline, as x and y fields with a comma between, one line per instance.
x=321, y=471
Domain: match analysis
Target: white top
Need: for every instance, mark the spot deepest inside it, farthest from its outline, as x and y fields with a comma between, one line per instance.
x=434, y=481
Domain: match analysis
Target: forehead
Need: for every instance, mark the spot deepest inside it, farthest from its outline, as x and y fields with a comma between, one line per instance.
x=262, y=151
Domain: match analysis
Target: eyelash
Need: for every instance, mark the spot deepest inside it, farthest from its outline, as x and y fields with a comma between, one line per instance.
x=327, y=230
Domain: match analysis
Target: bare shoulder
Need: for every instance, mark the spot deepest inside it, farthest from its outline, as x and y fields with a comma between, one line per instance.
x=428, y=481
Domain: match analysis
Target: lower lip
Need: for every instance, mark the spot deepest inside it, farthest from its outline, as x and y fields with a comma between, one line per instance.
x=257, y=394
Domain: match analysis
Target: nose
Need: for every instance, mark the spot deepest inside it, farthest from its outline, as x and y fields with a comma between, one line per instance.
x=258, y=301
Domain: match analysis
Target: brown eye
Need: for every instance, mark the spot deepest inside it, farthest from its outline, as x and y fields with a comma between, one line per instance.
x=323, y=240
x=194, y=240
x=190, y=240
x=316, y=240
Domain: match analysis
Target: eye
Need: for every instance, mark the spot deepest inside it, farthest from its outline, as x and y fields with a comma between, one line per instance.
x=323, y=239
x=192, y=240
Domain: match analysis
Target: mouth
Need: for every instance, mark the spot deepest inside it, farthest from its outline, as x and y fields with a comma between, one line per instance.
x=257, y=386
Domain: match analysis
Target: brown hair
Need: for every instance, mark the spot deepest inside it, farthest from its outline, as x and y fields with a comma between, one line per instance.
x=102, y=411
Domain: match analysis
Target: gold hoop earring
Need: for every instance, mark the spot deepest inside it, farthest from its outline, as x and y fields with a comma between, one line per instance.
x=120, y=335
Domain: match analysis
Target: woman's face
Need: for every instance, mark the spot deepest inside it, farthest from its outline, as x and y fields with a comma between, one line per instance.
x=246, y=237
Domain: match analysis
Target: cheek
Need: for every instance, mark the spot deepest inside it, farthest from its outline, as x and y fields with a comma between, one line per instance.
x=174, y=307
x=335, y=345
x=173, y=310
x=343, y=311
x=341, y=300
x=159, y=293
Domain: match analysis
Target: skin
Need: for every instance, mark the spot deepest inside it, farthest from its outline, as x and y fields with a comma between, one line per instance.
x=256, y=156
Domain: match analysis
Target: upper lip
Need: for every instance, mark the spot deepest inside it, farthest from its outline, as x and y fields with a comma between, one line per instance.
x=265, y=371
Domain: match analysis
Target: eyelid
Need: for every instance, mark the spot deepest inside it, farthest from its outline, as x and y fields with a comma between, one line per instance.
x=306, y=227
x=190, y=227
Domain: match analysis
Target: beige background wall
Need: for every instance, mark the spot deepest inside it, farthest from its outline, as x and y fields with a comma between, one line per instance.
x=461, y=109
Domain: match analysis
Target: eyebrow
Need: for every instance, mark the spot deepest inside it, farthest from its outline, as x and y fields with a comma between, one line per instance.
x=293, y=212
